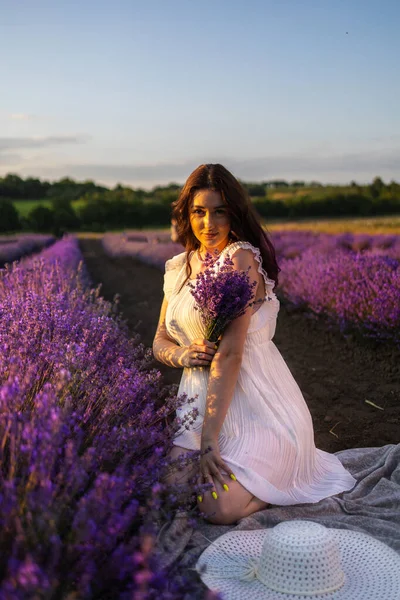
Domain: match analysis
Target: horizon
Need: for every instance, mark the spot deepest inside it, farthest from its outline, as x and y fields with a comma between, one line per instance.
x=141, y=94
x=307, y=184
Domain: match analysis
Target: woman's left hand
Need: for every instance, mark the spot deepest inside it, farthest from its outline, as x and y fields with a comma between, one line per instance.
x=211, y=463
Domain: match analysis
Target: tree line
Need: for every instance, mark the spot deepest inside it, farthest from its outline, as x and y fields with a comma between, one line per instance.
x=102, y=209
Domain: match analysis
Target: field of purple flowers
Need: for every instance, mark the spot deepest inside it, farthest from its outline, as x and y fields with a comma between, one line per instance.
x=84, y=432
x=352, y=280
x=14, y=247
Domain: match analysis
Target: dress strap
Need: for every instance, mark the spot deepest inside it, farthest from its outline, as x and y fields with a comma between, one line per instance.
x=231, y=249
x=176, y=262
x=173, y=267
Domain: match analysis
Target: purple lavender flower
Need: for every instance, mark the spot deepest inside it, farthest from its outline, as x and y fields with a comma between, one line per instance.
x=221, y=296
x=84, y=441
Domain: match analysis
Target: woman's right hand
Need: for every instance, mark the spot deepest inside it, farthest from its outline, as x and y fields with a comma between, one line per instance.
x=199, y=354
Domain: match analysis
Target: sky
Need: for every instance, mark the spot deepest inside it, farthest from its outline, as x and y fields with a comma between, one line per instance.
x=141, y=93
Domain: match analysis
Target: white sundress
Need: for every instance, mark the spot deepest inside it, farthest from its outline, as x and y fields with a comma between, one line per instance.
x=267, y=437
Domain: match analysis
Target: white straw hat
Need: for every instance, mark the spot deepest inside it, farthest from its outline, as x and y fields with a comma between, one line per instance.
x=297, y=560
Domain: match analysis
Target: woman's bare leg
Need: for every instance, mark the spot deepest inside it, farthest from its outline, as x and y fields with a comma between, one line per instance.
x=230, y=506
x=187, y=472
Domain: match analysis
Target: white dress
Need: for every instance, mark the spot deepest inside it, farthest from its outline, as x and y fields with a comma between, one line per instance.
x=267, y=437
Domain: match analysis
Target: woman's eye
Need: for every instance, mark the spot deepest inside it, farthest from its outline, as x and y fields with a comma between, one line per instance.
x=198, y=210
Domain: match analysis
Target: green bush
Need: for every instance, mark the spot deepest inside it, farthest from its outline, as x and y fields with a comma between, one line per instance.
x=65, y=220
x=9, y=218
x=101, y=208
x=41, y=219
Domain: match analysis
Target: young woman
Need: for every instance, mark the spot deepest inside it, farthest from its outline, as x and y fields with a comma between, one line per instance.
x=251, y=410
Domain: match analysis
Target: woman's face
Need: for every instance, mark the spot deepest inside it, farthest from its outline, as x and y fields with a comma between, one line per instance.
x=209, y=214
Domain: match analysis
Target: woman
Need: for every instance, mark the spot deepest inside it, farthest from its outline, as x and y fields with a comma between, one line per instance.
x=251, y=410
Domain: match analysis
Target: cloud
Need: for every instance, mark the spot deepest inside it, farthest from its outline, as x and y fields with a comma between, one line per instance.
x=320, y=164
x=384, y=139
x=12, y=143
x=21, y=117
x=299, y=163
x=333, y=167
x=11, y=159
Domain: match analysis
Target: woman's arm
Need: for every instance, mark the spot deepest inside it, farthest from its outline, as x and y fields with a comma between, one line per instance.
x=225, y=366
x=165, y=349
x=198, y=354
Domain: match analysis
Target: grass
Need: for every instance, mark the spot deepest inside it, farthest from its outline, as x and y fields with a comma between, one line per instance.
x=283, y=193
x=25, y=206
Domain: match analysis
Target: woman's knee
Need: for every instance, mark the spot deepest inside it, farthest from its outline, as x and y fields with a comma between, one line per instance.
x=219, y=511
x=218, y=514
x=230, y=506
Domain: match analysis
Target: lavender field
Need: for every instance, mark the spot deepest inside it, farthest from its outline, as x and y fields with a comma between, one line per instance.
x=352, y=280
x=86, y=420
x=14, y=247
x=84, y=430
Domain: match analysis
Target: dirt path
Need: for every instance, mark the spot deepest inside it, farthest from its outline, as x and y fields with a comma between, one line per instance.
x=335, y=375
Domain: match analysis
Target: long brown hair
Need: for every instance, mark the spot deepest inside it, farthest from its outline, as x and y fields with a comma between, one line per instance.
x=245, y=221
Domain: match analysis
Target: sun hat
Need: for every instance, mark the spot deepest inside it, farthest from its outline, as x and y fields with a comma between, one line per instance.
x=300, y=560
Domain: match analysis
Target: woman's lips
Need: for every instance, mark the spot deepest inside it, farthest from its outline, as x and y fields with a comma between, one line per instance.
x=210, y=235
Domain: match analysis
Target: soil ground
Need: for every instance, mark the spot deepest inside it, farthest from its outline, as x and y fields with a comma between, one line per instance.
x=335, y=374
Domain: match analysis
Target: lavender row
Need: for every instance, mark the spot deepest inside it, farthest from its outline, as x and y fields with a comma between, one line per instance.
x=292, y=244
x=352, y=279
x=14, y=247
x=152, y=249
x=85, y=428
x=155, y=248
x=353, y=290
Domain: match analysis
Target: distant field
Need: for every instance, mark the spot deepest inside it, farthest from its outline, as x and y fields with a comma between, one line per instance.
x=358, y=225
x=284, y=193
x=25, y=206
x=386, y=224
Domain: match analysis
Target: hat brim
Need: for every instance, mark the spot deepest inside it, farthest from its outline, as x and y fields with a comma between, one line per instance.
x=372, y=569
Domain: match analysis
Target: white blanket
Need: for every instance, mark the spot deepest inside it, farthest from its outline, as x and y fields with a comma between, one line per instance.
x=373, y=507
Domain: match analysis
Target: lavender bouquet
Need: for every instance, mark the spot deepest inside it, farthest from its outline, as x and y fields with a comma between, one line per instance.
x=221, y=296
